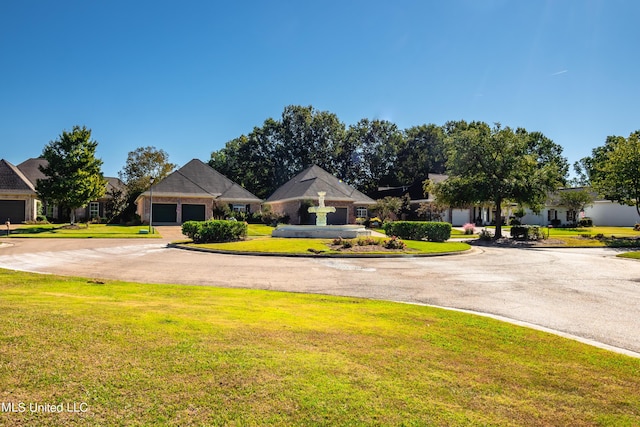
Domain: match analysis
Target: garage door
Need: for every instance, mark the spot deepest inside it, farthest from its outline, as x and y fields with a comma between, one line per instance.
x=165, y=212
x=192, y=213
x=339, y=217
x=12, y=210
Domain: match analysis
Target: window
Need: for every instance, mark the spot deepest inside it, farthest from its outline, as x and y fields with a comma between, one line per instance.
x=571, y=216
x=552, y=214
x=94, y=210
x=362, y=212
x=240, y=208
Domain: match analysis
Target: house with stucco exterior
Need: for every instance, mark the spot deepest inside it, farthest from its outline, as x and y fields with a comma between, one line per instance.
x=601, y=211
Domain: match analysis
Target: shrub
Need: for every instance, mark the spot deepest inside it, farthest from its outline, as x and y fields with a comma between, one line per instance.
x=469, y=228
x=394, y=243
x=585, y=222
x=367, y=241
x=419, y=230
x=214, y=231
x=556, y=222
x=375, y=222
x=485, y=235
x=526, y=232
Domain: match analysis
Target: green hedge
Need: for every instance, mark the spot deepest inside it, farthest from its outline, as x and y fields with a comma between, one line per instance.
x=214, y=231
x=527, y=232
x=585, y=222
x=419, y=230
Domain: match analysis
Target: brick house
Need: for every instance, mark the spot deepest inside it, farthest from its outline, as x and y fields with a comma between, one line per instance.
x=299, y=192
x=191, y=193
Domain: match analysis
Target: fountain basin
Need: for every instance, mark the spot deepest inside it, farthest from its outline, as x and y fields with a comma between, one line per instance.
x=320, y=232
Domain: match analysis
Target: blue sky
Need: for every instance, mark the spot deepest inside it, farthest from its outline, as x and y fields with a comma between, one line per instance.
x=189, y=76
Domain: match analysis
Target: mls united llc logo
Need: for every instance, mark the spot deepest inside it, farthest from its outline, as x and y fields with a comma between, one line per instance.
x=21, y=407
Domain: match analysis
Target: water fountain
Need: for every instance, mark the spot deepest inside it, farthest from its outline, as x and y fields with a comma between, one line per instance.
x=321, y=230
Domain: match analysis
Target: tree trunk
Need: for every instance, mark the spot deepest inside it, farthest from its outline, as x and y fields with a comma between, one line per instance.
x=498, y=233
x=72, y=216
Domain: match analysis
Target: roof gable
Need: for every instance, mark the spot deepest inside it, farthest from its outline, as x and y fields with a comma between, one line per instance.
x=31, y=169
x=310, y=181
x=196, y=178
x=11, y=178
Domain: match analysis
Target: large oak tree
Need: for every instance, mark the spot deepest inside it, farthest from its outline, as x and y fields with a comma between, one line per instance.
x=495, y=165
x=73, y=173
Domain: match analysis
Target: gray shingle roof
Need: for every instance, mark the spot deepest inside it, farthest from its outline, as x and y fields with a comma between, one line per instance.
x=197, y=179
x=12, y=179
x=310, y=181
x=31, y=169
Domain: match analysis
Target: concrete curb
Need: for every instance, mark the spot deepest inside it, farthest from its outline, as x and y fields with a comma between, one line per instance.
x=529, y=325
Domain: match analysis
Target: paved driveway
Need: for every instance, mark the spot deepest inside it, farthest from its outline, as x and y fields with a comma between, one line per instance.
x=586, y=293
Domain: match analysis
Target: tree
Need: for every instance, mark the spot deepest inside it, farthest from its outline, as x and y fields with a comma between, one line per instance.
x=272, y=154
x=616, y=170
x=498, y=164
x=387, y=208
x=374, y=145
x=144, y=164
x=575, y=200
x=421, y=153
x=73, y=173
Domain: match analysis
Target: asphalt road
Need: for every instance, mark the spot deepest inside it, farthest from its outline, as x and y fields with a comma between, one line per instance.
x=587, y=294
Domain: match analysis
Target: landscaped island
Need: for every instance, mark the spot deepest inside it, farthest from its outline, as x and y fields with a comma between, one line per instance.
x=252, y=238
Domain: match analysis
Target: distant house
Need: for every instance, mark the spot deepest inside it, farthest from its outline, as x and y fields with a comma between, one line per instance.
x=293, y=198
x=602, y=212
x=100, y=208
x=18, y=198
x=19, y=201
x=417, y=197
x=191, y=193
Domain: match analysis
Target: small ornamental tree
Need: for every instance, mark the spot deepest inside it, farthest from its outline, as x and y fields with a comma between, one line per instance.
x=575, y=200
x=387, y=208
x=73, y=174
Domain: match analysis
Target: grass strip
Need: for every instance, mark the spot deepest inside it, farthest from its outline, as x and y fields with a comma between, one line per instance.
x=100, y=231
x=140, y=354
x=632, y=255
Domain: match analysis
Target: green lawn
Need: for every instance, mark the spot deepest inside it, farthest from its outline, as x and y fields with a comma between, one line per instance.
x=278, y=245
x=139, y=354
x=632, y=255
x=606, y=231
x=82, y=231
x=587, y=236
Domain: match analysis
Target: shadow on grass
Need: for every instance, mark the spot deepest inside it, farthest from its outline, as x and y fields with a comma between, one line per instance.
x=33, y=230
x=621, y=242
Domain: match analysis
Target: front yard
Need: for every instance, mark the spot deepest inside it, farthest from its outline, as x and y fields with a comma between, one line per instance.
x=141, y=354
